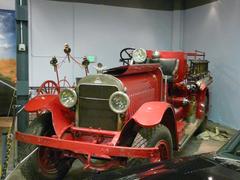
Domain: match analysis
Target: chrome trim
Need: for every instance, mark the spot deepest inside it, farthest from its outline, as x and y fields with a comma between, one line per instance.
x=88, y=98
x=125, y=96
x=75, y=98
x=88, y=80
x=103, y=80
x=139, y=55
x=90, y=84
x=185, y=101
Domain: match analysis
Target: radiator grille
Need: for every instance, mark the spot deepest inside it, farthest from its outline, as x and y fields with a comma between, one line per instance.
x=94, y=110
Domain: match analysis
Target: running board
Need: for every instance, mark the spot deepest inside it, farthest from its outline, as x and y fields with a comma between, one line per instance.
x=188, y=133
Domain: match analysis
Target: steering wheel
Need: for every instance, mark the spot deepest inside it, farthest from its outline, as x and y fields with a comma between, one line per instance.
x=126, y=55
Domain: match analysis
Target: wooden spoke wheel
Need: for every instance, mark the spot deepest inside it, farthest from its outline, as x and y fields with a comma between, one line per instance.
x=49, y=87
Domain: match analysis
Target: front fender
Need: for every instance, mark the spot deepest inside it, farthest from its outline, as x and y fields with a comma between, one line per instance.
x=62, y=118
x=151, y=113
x=40, y=103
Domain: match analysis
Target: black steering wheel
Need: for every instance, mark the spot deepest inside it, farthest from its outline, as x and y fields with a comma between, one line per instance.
x=126, y=55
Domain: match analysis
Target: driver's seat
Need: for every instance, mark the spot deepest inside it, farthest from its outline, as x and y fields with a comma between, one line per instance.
x=169, y=68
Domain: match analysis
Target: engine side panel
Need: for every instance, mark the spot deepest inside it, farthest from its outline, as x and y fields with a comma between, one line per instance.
x=142, y=88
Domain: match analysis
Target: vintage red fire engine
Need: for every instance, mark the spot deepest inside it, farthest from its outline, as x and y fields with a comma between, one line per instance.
x=140, y=111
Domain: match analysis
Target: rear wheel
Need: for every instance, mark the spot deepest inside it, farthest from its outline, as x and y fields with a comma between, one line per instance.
x=158, y=136
x=45, y=163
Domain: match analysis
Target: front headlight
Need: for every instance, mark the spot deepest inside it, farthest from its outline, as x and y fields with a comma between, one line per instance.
x=139, y=55
x=68, y=97
x=119, y=102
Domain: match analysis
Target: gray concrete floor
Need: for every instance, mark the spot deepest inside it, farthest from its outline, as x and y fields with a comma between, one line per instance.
x=193, y=147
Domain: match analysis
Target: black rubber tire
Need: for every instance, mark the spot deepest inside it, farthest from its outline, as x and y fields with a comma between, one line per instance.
x=149, y=137
x=31, y=169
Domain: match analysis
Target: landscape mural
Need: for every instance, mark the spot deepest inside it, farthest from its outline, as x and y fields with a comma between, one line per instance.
x=7, y=59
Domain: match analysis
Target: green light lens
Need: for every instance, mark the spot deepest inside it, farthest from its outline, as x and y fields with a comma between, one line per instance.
x=91, y=59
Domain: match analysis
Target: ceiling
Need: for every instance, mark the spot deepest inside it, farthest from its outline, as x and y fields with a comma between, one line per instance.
x=149, y=4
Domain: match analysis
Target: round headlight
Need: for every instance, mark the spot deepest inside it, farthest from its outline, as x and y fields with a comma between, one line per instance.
x=119, y=102
x=139, y=55
x=68, y=97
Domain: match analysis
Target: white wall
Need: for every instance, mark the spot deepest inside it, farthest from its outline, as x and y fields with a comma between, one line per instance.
x=90, y=30
x=177, y=30
x=214, y=28
x=7, y=4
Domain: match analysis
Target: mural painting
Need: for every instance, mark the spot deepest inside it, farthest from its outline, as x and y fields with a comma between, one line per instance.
x=7, y=60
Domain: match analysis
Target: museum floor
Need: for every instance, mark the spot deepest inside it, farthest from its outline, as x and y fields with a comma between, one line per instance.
x=195, y=146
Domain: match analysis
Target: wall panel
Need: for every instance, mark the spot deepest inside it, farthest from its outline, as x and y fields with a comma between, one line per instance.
x=91, y=30
x=214, y=28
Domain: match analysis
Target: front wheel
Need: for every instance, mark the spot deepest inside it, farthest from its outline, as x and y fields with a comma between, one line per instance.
x=158, y=136
x=45, y=163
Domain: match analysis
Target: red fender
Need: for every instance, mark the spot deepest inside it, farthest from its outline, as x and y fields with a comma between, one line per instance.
x=151, y=113
x=62, y=118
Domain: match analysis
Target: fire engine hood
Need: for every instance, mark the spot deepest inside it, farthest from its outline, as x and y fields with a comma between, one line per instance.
x=133, y=69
